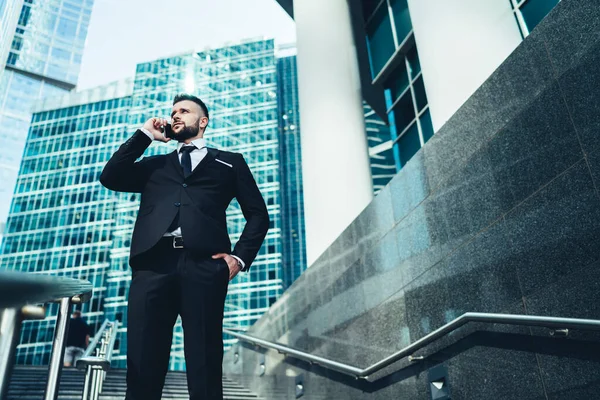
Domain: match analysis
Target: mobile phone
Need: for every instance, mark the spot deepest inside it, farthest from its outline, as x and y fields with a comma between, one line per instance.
x=169, y=131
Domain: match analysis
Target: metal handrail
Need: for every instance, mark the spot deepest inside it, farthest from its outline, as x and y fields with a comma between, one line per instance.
x=18, y=289
x=98, y=364
x=94, y=343
x=364, y=373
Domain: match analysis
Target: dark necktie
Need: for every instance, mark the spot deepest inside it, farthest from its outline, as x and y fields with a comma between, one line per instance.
x=186, y=159
x=186, y=164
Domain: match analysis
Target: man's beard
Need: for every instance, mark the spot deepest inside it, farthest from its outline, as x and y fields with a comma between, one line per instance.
x=188, y=132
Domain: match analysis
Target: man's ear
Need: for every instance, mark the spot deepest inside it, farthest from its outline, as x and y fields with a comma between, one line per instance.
x=203, y=122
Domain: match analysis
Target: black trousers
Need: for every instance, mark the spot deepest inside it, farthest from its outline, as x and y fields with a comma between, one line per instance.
x=170, y=282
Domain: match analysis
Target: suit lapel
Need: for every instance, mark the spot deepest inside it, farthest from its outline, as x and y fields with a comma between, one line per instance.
x=174, y=158
x=210, y=157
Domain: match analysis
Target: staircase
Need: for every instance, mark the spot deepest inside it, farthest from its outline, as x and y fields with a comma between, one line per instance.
x=29, y=382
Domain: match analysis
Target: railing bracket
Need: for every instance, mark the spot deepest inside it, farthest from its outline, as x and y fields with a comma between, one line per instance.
x=559, y=332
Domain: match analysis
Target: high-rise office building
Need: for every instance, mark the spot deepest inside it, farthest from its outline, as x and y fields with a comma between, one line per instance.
x=290, y=160
x=9, y=16
x=40, y=56
x=62, y=220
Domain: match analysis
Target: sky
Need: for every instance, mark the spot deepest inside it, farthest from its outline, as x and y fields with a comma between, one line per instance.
x=123, y=33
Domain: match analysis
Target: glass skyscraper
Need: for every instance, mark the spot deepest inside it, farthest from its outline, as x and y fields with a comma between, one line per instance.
x=46, y=40
x=63, y=221
x=9, y=16
x=290, y=153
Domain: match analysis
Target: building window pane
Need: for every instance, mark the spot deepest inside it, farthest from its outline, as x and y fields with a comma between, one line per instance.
x=404, y=112
x=397, y=82
x=420, y=96
x=535, y=10
x=401, y=19
x=413, y=62
x=380, y=39
x=369, y=7
x=426, y=126
x=409, y=144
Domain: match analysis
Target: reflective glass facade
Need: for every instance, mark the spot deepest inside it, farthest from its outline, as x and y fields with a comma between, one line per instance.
x=395, y=64
x=43, y=60
x=50, y=37
x=63, y=220
x=9, y=16
x=292, y=196
x=529, y=13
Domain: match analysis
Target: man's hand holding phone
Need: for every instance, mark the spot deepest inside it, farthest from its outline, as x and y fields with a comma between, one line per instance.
x=157, y=127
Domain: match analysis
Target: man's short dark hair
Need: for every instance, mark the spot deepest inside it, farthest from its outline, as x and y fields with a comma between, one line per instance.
x=185, y=96
x=77, y=314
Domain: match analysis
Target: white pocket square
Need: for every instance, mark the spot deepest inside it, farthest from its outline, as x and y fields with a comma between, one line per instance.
x=223, y=162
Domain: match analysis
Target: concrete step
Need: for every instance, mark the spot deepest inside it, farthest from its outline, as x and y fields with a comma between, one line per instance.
x=29, y=383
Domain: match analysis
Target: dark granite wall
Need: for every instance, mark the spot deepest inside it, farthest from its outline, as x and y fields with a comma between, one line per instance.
x=499, y=212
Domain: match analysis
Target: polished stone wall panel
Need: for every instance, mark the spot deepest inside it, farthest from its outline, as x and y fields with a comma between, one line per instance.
x=555, y=231
x=580, y=87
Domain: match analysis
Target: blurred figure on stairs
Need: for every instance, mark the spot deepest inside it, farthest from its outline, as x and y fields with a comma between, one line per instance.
x=77, y=340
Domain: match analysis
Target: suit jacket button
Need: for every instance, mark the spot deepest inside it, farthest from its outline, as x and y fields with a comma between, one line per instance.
x=184, y=185
x=177, y=204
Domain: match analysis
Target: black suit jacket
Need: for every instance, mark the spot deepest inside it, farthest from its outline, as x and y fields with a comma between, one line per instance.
x=201, y=199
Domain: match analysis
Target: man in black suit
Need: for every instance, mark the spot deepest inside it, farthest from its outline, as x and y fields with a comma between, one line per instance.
x=181, y=255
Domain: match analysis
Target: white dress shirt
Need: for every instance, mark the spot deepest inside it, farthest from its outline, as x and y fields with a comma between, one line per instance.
x=197, y=156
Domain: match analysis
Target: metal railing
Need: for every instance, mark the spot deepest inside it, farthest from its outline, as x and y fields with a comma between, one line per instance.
x=558, y=324
x=102, y=347
x=17, y=290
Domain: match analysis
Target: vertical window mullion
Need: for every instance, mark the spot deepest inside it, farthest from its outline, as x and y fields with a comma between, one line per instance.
x=393, y=24
x=414, y=100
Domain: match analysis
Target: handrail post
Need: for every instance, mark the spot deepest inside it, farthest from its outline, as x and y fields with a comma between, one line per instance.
x=10, y=327
x=88, y=381
x=11, y=320
x=58, y=349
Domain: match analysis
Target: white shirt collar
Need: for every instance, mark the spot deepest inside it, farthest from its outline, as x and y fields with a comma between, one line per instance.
x=199, y=143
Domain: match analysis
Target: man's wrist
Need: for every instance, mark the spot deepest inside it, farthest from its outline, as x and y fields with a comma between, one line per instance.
x=148, y=133
x=241, y=263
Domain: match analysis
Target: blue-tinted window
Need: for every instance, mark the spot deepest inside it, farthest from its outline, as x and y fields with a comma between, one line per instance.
x=380, y=39
x=409, y=144
x=420, y=96
x=66, y=28
x=404, y=112
x=413, y=61
x=397, y=82
x=369, y=6
x=12, y=59
x=535, y=10
x=426, y=126
x=401, y=19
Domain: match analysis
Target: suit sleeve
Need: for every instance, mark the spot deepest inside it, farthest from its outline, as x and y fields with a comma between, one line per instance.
x=254, y=210
x=122, y=173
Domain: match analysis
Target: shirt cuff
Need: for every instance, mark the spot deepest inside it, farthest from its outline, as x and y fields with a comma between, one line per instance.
x=240, y=260
x=147, y=132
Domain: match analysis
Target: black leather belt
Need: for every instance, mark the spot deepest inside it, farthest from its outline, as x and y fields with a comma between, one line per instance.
x=177, y=241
